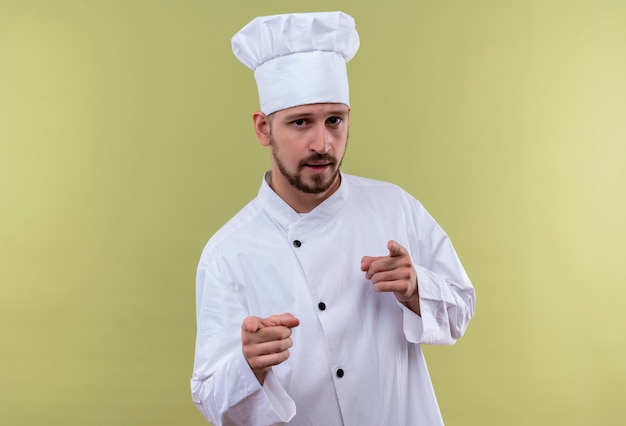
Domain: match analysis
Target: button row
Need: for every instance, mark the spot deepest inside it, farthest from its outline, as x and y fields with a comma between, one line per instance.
x=320, y=305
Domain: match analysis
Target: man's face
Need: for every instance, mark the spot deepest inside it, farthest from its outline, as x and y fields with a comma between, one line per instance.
x=308, y=143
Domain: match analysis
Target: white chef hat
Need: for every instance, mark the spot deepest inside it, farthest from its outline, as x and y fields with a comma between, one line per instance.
x=298, y=58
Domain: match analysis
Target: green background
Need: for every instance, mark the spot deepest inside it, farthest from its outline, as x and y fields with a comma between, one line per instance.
x=126, y=141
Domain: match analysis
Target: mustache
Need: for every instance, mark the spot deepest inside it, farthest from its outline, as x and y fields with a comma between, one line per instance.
x=318, y=158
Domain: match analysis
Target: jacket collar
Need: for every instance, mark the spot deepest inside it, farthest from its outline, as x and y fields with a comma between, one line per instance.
x=285, y=216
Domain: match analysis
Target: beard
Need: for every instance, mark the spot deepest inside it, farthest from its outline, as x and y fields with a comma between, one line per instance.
x=319, y=182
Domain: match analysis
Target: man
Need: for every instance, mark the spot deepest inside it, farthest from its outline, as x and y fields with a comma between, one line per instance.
x=313, y=301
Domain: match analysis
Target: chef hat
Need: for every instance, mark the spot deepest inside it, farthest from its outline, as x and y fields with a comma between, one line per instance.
x=298, y=58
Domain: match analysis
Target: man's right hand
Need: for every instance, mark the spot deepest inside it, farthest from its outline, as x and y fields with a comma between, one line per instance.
x=266, y=341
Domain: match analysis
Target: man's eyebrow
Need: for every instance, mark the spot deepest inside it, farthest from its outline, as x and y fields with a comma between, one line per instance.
x=298, y=116
x=339, y=112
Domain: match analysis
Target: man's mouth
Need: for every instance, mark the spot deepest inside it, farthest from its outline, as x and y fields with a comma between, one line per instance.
x=319, y=161
x=318, y=166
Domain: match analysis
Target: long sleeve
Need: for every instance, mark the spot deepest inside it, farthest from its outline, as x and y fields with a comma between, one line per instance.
x=223, y=386
x=447, y=297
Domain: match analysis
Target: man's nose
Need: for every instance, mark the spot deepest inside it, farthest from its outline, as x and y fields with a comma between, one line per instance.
x=321, y=140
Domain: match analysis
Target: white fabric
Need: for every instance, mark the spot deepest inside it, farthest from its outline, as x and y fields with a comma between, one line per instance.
x=252, y=267
x=298, y=58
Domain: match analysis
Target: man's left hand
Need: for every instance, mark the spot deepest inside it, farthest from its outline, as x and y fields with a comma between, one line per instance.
x=394, y=273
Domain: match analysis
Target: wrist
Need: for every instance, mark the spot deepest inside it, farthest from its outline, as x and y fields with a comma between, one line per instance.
x=413, y=303
x=260, y=375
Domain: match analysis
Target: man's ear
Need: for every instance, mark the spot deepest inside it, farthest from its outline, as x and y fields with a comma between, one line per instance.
x=262, y=127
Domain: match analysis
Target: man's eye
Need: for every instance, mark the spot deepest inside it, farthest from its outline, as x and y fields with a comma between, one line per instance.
x=299, y=122
x=334, y=120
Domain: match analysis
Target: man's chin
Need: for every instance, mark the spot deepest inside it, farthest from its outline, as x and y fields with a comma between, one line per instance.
x=319, y=184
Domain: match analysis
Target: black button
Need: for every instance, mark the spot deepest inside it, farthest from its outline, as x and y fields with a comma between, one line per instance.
x=297, y=243
x=322, y=306
x=340, y=373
